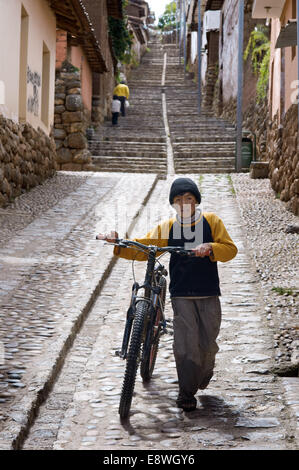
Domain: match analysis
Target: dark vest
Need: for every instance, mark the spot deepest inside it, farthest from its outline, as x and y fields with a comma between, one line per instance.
x=192, y=276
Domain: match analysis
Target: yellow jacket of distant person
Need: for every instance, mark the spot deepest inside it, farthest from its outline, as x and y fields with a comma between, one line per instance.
x=121, y=90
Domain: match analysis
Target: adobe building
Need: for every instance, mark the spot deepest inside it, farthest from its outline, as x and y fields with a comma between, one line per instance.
x=27, y=78
x=31, y=101
x=85, y=76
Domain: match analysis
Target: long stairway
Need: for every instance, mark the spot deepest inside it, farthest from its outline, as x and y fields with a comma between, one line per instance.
x=201, y=144
x=138, y=144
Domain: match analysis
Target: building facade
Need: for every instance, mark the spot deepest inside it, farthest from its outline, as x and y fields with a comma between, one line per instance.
x=27, y=80
x=271, y=116
x=282, y=129
x=43, y=96
x=138, y=22
x=27, y=65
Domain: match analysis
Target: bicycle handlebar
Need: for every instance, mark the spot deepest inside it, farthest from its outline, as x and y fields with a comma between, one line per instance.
x=123, y=243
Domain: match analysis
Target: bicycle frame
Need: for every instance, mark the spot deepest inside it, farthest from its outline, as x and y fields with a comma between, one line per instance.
x=151, y=295
x=147, y=320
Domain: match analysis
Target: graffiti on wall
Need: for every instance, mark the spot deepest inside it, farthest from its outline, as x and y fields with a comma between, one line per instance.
x=34, y=79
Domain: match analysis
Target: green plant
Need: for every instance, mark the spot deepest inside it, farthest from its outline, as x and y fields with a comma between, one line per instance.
x=283, y=291
x=130, y=58
x=168, y=21
x=259, y=49
x=230, y=181
x=68, y=67
x=121, y=37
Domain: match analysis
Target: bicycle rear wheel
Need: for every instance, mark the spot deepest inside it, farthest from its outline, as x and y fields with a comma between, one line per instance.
x=150, y=354
x=133, y=360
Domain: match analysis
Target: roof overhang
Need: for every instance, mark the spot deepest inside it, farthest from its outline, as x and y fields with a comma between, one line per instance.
x=287, y=36
x=267, y=8
x=72, y=16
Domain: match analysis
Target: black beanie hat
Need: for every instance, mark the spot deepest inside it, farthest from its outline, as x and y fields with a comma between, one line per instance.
x=184, y=185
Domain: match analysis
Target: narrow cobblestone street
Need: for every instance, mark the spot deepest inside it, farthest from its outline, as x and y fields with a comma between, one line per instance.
x=64, y=297
x=243, y=407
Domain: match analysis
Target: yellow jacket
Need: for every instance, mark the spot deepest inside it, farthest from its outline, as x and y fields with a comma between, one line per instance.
x=121, y=90
x=189, y=276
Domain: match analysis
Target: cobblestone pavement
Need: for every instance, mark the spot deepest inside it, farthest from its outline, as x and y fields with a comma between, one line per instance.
x=244, y=407
x=50, y=271
x=274, y=249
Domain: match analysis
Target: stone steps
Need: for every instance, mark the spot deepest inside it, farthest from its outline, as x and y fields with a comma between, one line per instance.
x=138, y=144
x=139, y=165
x=200, y=143
x=130, y=153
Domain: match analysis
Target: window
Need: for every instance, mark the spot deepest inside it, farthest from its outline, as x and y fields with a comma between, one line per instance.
x=45, y=85
x=23, y=65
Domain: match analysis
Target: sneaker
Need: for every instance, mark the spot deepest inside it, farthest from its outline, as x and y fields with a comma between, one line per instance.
x=187, y=404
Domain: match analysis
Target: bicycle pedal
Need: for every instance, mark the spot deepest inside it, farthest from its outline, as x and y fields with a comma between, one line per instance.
x=118, y=353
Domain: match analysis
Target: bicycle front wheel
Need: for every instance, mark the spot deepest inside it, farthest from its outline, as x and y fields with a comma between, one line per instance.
x=133, y=359
x=151, y=351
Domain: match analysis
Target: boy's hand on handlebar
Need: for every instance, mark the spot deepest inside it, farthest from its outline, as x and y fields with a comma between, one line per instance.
x=205, y=249
x=109, y=237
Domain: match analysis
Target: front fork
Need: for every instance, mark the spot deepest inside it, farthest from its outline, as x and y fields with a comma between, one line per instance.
x=132, y=309
x=129, y=322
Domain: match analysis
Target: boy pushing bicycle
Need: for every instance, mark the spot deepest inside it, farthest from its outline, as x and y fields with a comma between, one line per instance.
x=194, y=284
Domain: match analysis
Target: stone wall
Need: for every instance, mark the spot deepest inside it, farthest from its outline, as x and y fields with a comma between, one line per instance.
x=275, y=143
x=283, y=158
x=255, y=119
x=209, y=87
x=70, y=123
x=27, y=158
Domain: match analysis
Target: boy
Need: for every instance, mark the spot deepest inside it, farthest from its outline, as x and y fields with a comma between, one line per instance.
x=116, y=104
x=194, y=284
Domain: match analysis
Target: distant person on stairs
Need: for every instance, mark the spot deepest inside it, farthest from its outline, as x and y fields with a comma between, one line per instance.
x=115, y=109
x=123, y=93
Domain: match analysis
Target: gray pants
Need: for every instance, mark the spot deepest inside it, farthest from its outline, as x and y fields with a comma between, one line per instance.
x=196, y=327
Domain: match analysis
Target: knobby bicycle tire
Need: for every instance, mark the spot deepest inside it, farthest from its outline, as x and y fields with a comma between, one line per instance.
x=150, y=355
x=133, y=359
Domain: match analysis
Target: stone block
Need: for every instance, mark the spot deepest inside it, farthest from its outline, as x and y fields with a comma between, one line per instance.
x=60, y=96
x=57, y=119
x=74, y=91
x=71, y=166
x=76, y=141
x=83, y=157
x=74, y=127
x=73, y=103
x=64, y=155
x=259, y=170
x=71, y=76
x=58, y=102
x=73, y=84
x=59, y=133
x=69, y=117
x=59, y=109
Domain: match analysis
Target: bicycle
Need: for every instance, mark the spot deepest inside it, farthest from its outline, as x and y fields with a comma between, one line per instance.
x=145, y=322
